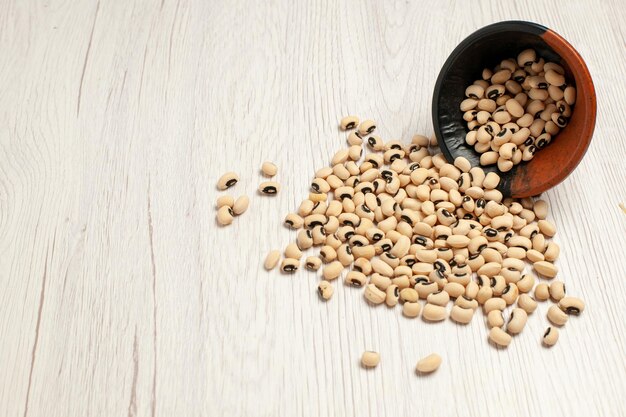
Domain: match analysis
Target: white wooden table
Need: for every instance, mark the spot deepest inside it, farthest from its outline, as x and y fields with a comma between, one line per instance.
x=119, y=295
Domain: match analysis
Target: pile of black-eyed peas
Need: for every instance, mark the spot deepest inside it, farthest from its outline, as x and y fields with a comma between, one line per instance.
x=516, y=109
x=408, y=228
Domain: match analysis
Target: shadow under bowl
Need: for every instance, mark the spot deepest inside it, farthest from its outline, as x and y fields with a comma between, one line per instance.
x=486, y=48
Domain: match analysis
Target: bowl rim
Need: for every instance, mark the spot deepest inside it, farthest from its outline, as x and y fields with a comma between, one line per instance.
x=576, y=64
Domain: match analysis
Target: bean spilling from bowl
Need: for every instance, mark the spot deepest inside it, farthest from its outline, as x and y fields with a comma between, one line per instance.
x=410, y=229
x=516, y=109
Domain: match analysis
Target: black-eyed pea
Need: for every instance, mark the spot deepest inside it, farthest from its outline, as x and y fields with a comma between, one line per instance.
x=466, y=302
x=517, y=321
x=292, y=251
x=293, y=221
x=332, y=270
x=332, y=225
x=514, y=263
x=289, y=265
x=529, y=153
x=355, y=279
x=510, y=293
x=402, y=281
x=392, y=295
x=542, y=292
x=511, y=275
x=547, y=228
x=489, y=158
x=374, y=295
x=366, y=127
x=475, y=261
x=269, y=188
x=494, y=91
x=535, y=256
x=526, y=283
x=424, y=287
x=557, y=290
x=325, y=290
x=225, y=215
x=516, y=252
x=318, y=234
x=513, y=87
x=520, y=137
x=527, y=303
x=546, y=269
x=498, y=284
x=550, y=336
x=554, y=78
x=355, y=152
x=344, y=255
x=504, y=165
x=439, y=297
x=461, y=315
x=471, y=290
x=370, y=359
x=271, y=260
x=354, y=139
x=408, y=260
x=495, y=319
x=408, y=295
x=454, y=289
x=499, y=337
x=411, y=309
x=362, y=265
x=313, y=263
x=380, y=281
x=333, y=241
x=494, y=303
x=572, y=305
x=227, y=180
x=428, y=364
x=557, y=316
x=539, y=242
x=569, y=95
x=348, y=122
x=269, y=169
x=334, y=182
x=485, y=293
x=402, y=270
x=433, y=312
x=526, y=58
x=489, y=269
x=552, y=252
x=317, y=199
x=225, y=200
x=328, y=254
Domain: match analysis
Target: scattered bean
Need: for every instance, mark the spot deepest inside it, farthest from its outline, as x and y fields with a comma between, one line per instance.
x=370, y=359
x=269, y=188
x=241, y=205
x=225, y=200
x=499, y=337
x=551, y=336
x=225, y=215
x=325, y=290
x=428, y=364
x=227, y=180
x=269, y=169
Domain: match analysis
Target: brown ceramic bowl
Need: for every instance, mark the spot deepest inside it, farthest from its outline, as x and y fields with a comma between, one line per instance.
x=486, y=48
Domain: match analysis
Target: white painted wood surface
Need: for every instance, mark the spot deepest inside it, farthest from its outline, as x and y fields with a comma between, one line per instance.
x=119, y=295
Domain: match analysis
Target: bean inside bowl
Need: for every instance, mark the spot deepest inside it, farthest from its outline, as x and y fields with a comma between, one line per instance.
x=486, y=48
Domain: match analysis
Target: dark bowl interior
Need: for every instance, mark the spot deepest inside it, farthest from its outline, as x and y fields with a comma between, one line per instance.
x=486, y=48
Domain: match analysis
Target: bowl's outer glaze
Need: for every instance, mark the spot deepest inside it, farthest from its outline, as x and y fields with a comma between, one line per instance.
x=486, y=48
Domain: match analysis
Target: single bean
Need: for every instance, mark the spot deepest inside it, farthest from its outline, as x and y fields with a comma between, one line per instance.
x=550, y=336
x=227, y=180
x=325, y=290
x=370, y=359
x=428, y=364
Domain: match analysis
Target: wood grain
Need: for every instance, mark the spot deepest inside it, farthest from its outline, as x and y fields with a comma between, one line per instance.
x=119, y=294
